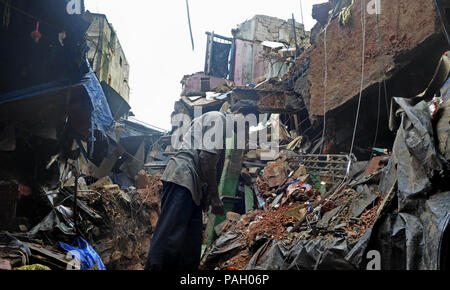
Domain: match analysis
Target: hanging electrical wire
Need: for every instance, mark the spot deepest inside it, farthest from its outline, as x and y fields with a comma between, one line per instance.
x=383, y=77
x=363, y=24
x=378, y=116
x=147, y=124
x=325, y=89
x=382, y=65
x=325, y=84
x=189, y=22
x=301, y=14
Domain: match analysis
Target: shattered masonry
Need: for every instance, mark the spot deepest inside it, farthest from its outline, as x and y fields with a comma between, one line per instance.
x=84, y=167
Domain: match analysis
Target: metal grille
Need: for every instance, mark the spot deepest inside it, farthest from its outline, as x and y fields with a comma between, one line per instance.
x=334, y=167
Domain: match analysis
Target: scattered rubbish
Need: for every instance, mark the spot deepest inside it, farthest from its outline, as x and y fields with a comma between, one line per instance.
x=85, y=175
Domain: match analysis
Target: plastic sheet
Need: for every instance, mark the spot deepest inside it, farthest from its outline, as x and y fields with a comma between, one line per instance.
x=411, y=239
x=101, y=114
x=409, y=231
x=414, y=152
x=226, y=246
x=317, y=254
x=87, y=256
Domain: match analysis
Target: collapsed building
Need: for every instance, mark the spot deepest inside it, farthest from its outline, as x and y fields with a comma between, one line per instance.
x=71, y=154
x=360, y=105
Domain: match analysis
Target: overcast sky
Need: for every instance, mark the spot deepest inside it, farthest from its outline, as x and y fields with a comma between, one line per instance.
x=155, y=38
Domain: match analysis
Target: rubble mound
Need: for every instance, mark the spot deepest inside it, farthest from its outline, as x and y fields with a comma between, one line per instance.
x=130, y=218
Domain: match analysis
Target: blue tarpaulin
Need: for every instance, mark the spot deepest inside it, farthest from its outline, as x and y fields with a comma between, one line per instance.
x=101, y=117
x=101, y=114
x=84, y=254
x=35, y=91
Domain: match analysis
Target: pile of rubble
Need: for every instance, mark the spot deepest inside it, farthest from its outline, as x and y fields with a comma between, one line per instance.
x=77, y=178
x=129, y=220
x=294, y=205
x=316, y=209
x=118, y=224
x=314, y=212
x=68, y=174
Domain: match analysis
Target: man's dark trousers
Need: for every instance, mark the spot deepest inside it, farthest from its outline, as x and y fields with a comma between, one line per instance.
x=177, y=239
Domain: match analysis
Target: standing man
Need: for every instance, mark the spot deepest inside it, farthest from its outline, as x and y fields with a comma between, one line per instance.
x=190, y=185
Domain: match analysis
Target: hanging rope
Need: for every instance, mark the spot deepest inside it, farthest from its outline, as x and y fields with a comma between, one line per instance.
x=363, y=23
x=325, y=84
x=301, y=13
x=382, y=65
x=383, y=77
x=378, y=116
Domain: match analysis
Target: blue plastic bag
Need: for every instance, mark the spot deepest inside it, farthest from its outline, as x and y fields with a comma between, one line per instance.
x=86, y=255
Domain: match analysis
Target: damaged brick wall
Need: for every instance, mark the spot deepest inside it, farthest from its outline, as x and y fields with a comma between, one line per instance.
x=403, y=26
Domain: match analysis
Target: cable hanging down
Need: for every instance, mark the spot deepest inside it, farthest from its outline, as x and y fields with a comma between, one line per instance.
x=363, y=23
x=383, y=78
x=189, y=22
x=325, y=84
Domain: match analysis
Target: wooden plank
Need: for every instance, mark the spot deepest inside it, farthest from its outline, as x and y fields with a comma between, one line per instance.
x=47, y=256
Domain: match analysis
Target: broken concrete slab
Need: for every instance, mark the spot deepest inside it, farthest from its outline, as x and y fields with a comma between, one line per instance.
x=300, y=172
x=375, y=165
x=232, y=216
x=275, y=173
x=101, y=183
x=220, y=227
x=323, y=223
x=358, y=168
x=364, y=198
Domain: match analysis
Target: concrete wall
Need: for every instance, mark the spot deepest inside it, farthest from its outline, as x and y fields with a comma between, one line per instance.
x=193, y=83
x=261, y=28
x=243, y=66
x=107, y=56
x=250, y=65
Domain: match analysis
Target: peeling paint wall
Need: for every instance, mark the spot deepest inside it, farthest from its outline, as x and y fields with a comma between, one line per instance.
x=107, y=56
x=193, y=83
x=261, y=28
x=243, y=67
x=250, y=64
